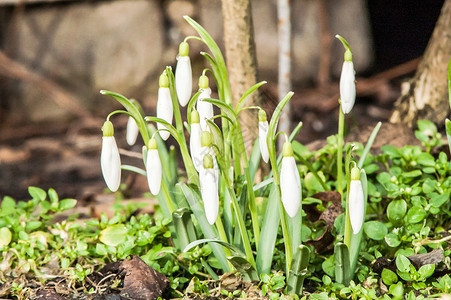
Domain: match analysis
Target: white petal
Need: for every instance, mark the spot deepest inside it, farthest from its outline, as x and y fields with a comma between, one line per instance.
x=290, y=186
x=154, y=171
x=183, y=79
x=211, y=151
x=356, y=205
x=195, y=146
x=262, y=135
x=164, y=110
x=132, y=131
x=347, y=86
x=209, y=192
x=204, y=108
x=110, y=162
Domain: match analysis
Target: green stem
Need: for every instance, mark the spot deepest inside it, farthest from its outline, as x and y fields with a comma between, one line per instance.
x=347, y=237
x=341, y=118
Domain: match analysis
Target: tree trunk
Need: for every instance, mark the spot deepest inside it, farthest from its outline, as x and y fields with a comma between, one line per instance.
x=241, y=61
x=426, y=94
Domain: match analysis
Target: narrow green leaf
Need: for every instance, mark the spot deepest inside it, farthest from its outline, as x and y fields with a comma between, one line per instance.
x=209, y=231
x=299, y=270
x=247, y=271
x=245, y=96
x=369, y=144
x=184, y=228
x=269, y=228
x=234, y=250
x=342, y=265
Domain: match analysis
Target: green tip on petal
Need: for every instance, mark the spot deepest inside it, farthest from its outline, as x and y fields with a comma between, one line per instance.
x=164, y=80
x=208, y=161
x=203, y=82
x=205, y=139
x=108, y=129
x=152, y=144
x=195, y=117
x=287, y=149
x=262, y=116
x=184, y=49
x=355, y=173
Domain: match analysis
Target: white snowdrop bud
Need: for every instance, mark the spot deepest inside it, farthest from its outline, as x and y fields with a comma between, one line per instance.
x=194, y=140
x=263, y=134
x=110, y=160
x=209, y=189
x=165, y=110
x=347, y=87
x=183, y=75
x=132, y=131
x=204, y=108
x=153, y=167
x=356, y=202
x=290, y=182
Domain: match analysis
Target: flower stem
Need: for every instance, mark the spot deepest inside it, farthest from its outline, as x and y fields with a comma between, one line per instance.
x=341, y=118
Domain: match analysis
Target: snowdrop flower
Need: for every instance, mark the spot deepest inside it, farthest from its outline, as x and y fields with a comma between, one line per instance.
x=347, y=79
x=110, y=160
x=194, y=140
x=153, y=167
x=204, y=108
x=132, y=131
x=356, y=201
x=164, y=105
x=209, y=189
x=290, y=182
x=262, y=134
x=183, y=75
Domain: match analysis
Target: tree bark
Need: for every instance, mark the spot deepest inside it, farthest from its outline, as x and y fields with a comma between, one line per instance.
x=426, y=94
x=241, y=61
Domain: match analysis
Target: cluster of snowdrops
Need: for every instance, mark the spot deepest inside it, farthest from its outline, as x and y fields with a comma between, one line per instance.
x=217, y=164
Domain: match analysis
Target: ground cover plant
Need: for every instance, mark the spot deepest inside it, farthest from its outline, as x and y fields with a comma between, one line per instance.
x=352, y=224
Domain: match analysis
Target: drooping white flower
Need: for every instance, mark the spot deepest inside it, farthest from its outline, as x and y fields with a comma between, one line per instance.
x=347, y=86
x=153, y=167
x=110, y=160
x=356, y=201
x=132, y=131
x=263, y=134
x=209, y=189
x=183, y=75
x=290, y=182
x=194, y=140
x=204, y=108
x=165, y=110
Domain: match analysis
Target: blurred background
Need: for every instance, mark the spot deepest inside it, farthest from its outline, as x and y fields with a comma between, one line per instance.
x=55, y=56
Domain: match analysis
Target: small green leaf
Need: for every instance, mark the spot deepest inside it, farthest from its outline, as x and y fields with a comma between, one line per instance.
x=32, y=225
x=412, y=174
x=8, y=206
x=113, y=235
x=396, y=210
x=5, y=237
x=426, y=271
x=416, y=214
x=438, y=200
x=403, y=263
x=375, y=230
x=66, y=204
x=392, y=240
x=389, y=277
x=397, y=290
x=37, y=193
x=312, y=184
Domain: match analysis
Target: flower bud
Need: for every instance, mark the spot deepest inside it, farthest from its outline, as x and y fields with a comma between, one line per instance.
x=164, y=105
x=183, y=75
x=194, y=140
x=204, y=108
x=132, y=131
x=263, y=134
x=153, y=167
x=290, y=182
x=347, y=87
x=209, y=189
x=110, y=160
x=356, y=201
